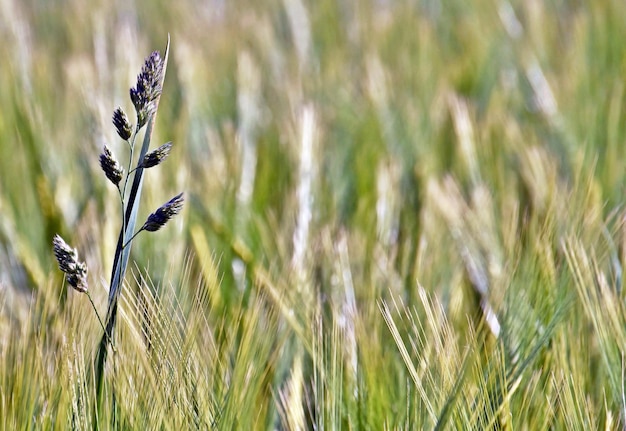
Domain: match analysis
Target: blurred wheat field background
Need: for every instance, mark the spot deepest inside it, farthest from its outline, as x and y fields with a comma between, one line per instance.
x=400, y=215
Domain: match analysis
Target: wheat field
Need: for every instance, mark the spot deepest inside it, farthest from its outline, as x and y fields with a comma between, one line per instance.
x=397, y=215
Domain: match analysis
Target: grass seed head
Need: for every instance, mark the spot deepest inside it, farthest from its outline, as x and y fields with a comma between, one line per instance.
x=122, y=125
x=78, y=278
x=67, y=258
x=148, y=88
x=157, y=219
x=157, y=156
x=111, y=167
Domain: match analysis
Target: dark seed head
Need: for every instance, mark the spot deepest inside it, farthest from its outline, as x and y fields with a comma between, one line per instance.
x=148, y=88
x=78, y=278
x=122, y=125
x=157, y=156
x=67, y=258
x=157, y=219
x=112, y=169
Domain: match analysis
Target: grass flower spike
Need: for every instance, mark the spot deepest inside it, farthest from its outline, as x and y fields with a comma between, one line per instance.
x=148, y=88
x=111, y=167
x=75, y=270
x=157, y=156
x=161, y=216
x=145, y=98
x=122, y=125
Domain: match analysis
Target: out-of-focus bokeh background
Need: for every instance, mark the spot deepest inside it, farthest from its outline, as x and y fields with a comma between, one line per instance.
x=399, y=214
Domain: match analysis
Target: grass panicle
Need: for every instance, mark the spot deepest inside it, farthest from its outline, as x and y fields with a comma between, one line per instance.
x=145, y=97
x=164, y=213
x=111, y=167
x=122, y=125
x=67, y=258
x=148, y=89
x=156, y=157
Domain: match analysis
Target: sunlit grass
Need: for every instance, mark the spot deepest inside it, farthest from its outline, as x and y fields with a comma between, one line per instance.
x=400, y=215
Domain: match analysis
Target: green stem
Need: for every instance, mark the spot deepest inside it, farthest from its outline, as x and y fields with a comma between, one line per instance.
x=122, y=193
x=131, y=144
x=93, y=305
x=132, y=237
x=108, y=335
